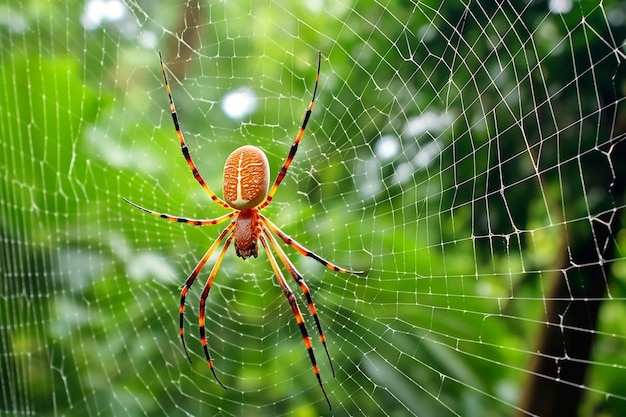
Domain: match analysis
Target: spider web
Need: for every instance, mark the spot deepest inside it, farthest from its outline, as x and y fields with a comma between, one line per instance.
x=468, y=155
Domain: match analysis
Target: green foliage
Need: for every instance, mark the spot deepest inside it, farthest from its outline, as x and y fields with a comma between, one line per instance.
x=457, y=255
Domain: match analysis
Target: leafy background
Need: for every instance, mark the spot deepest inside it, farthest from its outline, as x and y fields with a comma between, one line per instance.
x=468, y=156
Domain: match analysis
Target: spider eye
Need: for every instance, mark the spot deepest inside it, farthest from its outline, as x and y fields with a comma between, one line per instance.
x=246, y=177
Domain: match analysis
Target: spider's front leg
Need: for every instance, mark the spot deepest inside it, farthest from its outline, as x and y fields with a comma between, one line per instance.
x=203, y=298
x=297, y=314
x=304, y=251
x=297, y=276
x=192, y=278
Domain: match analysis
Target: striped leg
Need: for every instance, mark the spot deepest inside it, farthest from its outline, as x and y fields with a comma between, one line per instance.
x=183, y=144
x=192, y=277
x=297, y=276
x=194, y=222
x=304, y=251
x=296, y=142
x=203, y=297
x=296, y=312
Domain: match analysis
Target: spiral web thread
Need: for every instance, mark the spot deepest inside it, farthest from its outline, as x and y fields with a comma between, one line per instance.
x=468, y=156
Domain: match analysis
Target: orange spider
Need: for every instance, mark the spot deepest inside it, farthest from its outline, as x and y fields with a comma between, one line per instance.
x=246, y=191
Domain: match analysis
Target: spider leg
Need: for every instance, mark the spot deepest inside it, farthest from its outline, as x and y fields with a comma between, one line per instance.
x=296, y=142
x=304, y=251
x=203, y=297
x=183, y=144
x=194, y=222
x=297, y=276
x=192, y=277
x=296, y=312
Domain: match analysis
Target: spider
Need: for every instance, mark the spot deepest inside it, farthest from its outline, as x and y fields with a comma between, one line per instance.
x=246, y=192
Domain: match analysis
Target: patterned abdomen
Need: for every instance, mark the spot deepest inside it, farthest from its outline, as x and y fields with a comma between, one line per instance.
x=246, y=177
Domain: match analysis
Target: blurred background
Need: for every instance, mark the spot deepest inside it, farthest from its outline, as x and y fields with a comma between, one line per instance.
x=469, y=157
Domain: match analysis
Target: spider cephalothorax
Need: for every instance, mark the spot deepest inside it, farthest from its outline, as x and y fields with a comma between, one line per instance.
x=246, y=192
x=247, y=231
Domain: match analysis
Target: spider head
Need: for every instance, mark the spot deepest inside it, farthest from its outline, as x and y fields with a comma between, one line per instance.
x=246, y=178
x=247, y=231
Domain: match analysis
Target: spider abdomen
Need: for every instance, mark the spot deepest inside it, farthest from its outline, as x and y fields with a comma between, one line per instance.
x=246, y=177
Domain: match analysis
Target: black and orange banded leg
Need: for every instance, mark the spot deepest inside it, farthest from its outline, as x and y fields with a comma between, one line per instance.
x=304, y=251
x=297, y=314
x=177, y=219
x=192, y=277
x=296, y=142
x=297, y=276
x=183, y=144
x=203, y=297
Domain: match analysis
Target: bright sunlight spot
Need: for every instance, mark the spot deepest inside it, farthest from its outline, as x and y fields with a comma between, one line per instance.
x=387, y=147
x=98, y=11
x=560, y=6
x=239, y=103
